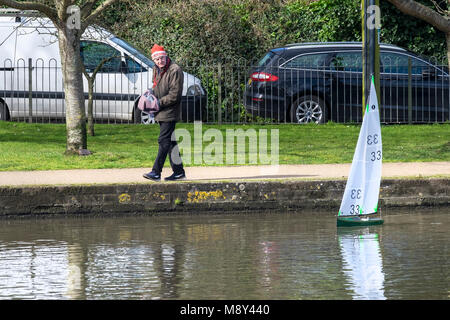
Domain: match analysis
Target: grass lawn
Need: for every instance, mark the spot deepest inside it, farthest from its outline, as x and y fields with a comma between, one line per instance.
x=26, y=146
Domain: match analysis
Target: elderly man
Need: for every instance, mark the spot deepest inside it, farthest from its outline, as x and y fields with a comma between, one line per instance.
x=167, y=88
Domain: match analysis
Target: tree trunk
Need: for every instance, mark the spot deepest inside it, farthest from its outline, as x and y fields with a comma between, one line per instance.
x=69, y=47
x=90, y=106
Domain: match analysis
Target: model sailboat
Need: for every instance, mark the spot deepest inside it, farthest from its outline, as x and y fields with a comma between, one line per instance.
x=363, y=185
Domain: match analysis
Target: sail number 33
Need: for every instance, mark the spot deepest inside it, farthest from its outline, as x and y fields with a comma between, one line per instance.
x=356, y=194
x=372, y=139
x=355, y=209
x=374, y=156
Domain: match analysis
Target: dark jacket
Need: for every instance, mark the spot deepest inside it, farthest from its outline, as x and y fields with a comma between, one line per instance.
x=168, y=90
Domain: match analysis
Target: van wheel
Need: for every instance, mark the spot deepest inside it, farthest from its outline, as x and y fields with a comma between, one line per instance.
x=4, y=114
x=308, y=109
x=143, y=117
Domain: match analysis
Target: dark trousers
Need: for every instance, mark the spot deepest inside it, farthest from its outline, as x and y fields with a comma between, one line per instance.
x=168, y=145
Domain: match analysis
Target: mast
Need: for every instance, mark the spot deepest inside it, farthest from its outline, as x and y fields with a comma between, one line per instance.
x=370, y=47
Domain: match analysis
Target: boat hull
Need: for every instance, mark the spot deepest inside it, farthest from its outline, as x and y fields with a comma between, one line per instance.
x=357, y=221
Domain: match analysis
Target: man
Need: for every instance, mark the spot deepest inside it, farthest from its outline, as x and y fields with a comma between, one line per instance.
x=167, y=88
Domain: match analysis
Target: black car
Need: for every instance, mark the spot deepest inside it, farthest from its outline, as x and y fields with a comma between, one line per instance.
x=318, y=82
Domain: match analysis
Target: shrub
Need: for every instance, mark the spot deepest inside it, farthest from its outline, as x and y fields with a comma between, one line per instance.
x=200, y=34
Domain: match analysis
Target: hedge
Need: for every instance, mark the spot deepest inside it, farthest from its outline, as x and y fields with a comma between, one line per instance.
x=212, y=31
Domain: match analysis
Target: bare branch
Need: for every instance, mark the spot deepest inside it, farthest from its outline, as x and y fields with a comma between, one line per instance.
x=417, y=10
x=87, y=8
x=440, y=9
x=27, y=5
x=89, y=19
x=98, y=67
x=61, y=8
x=41, y=29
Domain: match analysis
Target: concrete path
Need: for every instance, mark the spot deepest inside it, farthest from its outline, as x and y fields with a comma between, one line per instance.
x=246, y=173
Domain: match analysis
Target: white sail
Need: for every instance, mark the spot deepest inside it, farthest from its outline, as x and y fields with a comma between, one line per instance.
x=363, y=184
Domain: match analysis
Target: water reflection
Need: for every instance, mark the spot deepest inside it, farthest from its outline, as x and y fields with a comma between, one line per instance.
x=31, y=267
x=242, y=256
x=76, y=271
x=362, y=262
x=268, y=263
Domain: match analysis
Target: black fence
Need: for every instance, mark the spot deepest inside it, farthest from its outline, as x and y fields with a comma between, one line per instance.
x=293, y=91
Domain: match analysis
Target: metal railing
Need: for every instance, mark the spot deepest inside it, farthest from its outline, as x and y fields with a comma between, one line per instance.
x=32, y=91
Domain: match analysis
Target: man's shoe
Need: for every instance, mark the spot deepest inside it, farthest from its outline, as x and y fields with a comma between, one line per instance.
x=176, y=176
x=152, y=176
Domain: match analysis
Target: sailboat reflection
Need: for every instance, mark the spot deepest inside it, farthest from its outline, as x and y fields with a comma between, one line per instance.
x=362, y=263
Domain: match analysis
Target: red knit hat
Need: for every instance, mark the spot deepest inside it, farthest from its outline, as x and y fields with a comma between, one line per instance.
x=158, y=51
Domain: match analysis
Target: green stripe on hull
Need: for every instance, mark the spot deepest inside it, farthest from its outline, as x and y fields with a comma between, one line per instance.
x=356, y=221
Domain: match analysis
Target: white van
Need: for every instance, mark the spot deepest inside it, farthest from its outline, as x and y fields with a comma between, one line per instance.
x=29, y=49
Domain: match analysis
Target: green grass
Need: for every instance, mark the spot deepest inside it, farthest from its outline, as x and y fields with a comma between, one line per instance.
x=26, y=146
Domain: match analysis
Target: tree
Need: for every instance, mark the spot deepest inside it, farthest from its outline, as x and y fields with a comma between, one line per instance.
x=71, y=18
x=439, y=17
x=91, y=81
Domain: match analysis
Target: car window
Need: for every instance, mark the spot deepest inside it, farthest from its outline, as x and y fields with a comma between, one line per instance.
x=347, y=61
x=266, y=59
x=398, y=63
x=93, y=53
x=310, y=61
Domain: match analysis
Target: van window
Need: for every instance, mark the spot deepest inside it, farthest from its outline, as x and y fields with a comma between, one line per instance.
x=133, y=66
x=93, y=53
x=310, y=61
x=347, y=61
x=133, y=51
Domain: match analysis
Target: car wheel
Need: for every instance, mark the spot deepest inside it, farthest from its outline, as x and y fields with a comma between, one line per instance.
x=3, y=111
x=143, y=117
x=308, y=109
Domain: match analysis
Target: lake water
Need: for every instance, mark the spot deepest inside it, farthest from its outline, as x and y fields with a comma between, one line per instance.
x=239, y=256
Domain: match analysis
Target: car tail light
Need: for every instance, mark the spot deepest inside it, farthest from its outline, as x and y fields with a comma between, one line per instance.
x=263, y=76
